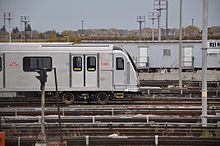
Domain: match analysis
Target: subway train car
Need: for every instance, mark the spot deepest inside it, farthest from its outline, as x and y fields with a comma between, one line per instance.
x=84, y=72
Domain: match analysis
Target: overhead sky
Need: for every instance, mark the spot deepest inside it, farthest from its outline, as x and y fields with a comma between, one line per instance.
x=62, y=15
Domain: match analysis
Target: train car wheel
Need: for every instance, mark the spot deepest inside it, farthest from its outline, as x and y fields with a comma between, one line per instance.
x=68, y=98
x=102, y=98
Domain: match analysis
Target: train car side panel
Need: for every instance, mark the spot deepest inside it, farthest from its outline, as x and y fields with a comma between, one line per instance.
x=106, y=71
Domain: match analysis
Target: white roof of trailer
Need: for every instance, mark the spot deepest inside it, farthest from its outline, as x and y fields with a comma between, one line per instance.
x=5, y=47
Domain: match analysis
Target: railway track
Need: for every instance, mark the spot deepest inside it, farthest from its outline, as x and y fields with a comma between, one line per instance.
x=110, y=110
x=119, y=124
x=140, y=100
x=127, y=140
x=144, y=121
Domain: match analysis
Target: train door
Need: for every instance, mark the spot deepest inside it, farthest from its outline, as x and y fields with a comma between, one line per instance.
x=120, y=63
x=84, y=71
x=188, y=56
x=77, y=71
x=91, y=71
x=143, y=57
x=1, y=71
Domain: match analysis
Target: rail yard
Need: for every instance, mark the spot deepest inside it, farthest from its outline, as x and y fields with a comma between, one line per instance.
x=150, y=119
x=108, y=82
x=101, y=98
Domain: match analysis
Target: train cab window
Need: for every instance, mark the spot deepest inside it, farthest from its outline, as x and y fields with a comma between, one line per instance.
x=0, y=64
x=77, y=63
x=119, y=63
x=91, y=63
x=36, y=63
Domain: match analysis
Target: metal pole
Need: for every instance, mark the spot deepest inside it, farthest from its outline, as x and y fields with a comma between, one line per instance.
x=43, y=134
x=166, y=19
x=153, y=30
x=180, y=48
x=140, y=30
x=25, y=31
x=204, y=62
x=4, y=21
x=140, y=19
x=159, y=31
x=82, y=28
x=192, y=21
x=9, y=30
x=192, y=28
x=58, y=105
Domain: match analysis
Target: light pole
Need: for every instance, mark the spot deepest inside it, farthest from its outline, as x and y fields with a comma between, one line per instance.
x=159, y=5
x=140, y=20
x=9, y=16
x=82, y=21
x=153, y=16
x=25, y=19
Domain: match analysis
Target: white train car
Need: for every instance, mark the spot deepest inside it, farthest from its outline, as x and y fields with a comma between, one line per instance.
x=90, y=72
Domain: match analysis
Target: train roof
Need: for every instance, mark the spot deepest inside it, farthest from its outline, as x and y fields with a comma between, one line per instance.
x=6, y=47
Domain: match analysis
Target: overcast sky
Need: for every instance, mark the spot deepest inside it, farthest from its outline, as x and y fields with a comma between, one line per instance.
x=97, y=14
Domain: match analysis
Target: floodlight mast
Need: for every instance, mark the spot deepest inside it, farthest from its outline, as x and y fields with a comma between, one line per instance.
x=9, y=16
x=159, y=5
x=153, y=16
x=25, y=19
x=140, y=19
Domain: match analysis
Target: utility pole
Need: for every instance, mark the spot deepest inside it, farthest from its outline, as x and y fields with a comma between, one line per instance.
x=193, y=29
x=159, y=5
x=167, y=19
x=82, y=21
x=153, y=16
x=9, y=16
x=140, y=20
x=180, y=47
x=4, y=21
x=25, y=19
x=204, y=62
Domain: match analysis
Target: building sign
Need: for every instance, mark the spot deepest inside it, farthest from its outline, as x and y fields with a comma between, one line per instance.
x=214, y=44
x=213, y=47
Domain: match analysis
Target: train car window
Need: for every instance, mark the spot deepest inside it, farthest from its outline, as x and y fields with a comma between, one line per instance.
x=166, y=52
x=0, y=63
x=77, y=63
x=91, y=63
x=36, y=63
x=119, y=63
